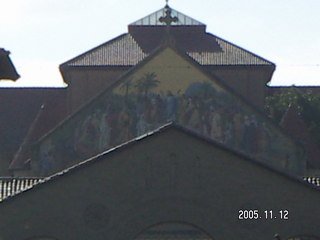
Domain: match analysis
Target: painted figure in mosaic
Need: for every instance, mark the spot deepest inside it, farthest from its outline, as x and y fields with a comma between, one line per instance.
x=182, y=110
x=139, y=107
x=87, y=135
x=105, y=129
x=216, y=124
x=264, y=138
x=238, y=123
x=171, y=103
x=124, y=125
x=47, y=157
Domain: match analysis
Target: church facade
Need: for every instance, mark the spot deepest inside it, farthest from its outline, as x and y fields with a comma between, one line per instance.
x=99, y=67
x=162, y=136
x=167, y=68
x=167, y=86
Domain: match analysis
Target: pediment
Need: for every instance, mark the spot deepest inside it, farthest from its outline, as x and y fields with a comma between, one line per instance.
x=168, y=86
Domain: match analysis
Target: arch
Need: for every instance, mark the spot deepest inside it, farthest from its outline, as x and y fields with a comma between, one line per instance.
x=173, y=230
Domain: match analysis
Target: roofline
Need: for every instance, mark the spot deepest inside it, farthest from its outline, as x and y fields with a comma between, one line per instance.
x=237, y=65
x=65, y=64
x=243, y=49
x=97, y=67
x=168, y=126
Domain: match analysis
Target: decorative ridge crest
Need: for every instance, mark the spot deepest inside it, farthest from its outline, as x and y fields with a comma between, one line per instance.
x=153, y=19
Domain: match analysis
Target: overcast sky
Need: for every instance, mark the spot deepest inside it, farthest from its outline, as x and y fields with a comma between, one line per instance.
x=41, y=34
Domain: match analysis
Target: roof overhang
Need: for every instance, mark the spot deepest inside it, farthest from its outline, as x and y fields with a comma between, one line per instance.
x=7, y=69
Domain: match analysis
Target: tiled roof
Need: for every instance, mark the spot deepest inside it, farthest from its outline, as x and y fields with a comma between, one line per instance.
x=186, y=38
x=147, y=33
x=313, y=180
x=11, y=186
x=125, y=51
x=230, y=55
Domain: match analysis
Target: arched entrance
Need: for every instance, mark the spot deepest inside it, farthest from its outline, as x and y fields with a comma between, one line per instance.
x=173, y=231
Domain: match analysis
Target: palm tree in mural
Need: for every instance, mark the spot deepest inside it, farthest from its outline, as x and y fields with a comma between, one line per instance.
x=146, y=83
x=126, y=87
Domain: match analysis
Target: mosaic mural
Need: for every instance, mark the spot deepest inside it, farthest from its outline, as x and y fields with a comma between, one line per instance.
x=140, y=105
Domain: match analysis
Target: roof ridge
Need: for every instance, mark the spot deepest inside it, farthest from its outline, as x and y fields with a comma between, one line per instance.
x=108, y=54
x=62, y=65
x=243, y=49
x=121, y=51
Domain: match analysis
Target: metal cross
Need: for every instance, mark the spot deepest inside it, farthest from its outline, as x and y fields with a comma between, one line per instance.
x=168, y=19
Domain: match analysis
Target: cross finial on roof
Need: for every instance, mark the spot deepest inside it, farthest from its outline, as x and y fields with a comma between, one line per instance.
x=168, y=19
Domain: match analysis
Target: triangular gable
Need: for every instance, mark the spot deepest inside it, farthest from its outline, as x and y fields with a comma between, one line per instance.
x=174, y=72
x=167, y=86
x=168, y=175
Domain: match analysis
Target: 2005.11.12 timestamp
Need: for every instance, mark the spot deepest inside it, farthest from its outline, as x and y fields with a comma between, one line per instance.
x=254, y=214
